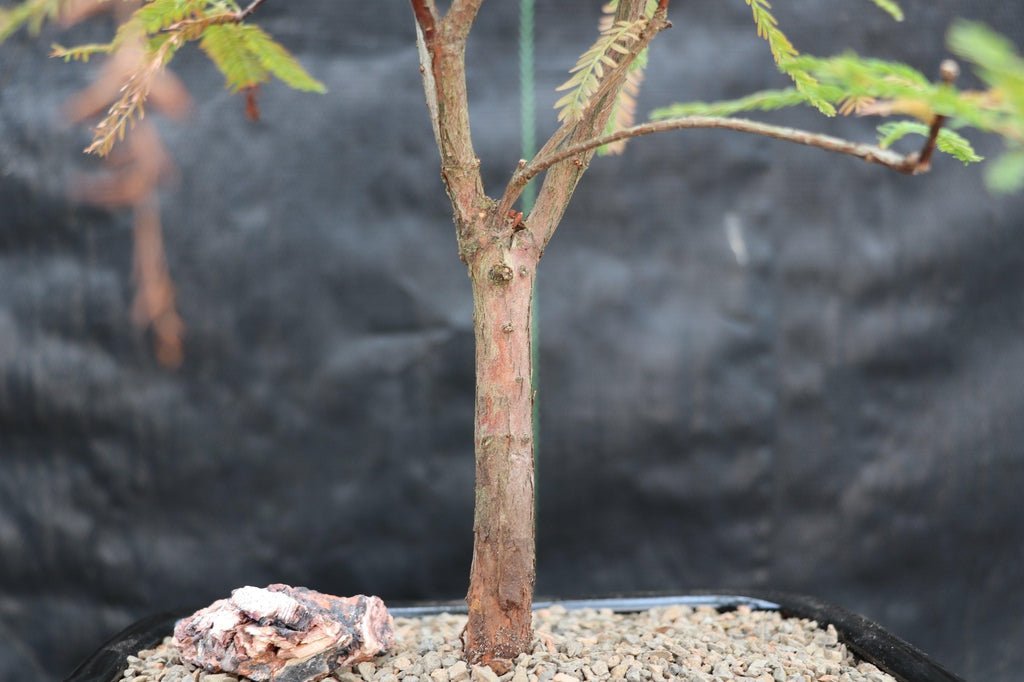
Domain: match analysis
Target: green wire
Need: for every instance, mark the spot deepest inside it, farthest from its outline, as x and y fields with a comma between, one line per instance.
x=527, y=109
x=528, y=135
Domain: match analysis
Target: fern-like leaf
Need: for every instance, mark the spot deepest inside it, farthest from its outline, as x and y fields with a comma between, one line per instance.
x=948, y=141
x=130, y=106
x=891, y=7
x=81, y=53
x=766, y=100
x=885, y=88
x=957, y=146
x=226, y=47
x=892, y=132
x=782, y=50
x=592, y=66
x=278, y=61
x=248, y=56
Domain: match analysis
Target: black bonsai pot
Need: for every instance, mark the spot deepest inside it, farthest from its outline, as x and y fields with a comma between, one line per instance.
x=869, y=641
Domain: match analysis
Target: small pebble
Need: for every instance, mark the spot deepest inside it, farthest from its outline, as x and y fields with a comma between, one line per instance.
x=458, y=672
x=483, y=674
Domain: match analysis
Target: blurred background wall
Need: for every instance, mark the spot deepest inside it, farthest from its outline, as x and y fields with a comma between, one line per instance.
x=762, y=366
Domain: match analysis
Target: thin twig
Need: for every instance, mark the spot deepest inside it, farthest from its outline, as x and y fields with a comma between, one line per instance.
x=908, y=163
x=948, y=72
x=253, y=6
x=924, y=157
x=215, y=19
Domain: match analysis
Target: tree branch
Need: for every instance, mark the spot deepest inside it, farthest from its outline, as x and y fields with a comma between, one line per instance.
x=903, y=163
x=560, y=182
x=442, y=51
x=924, y=158
x=613, y=80
x=948, y=72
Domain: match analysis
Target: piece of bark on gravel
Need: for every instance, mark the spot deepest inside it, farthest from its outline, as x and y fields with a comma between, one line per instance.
x=284, y=634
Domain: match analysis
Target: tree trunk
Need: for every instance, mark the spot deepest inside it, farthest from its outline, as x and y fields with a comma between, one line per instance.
x=502, y=576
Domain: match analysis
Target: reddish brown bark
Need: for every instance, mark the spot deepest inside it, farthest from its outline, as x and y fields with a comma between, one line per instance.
x=502, y=576
x=501, y=251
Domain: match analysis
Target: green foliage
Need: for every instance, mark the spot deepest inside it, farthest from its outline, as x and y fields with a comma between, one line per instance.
x=894, y=131
x=277, y=60
x=877, y=87
x=891, y=7
x=948, y=141
x=956, y=145
x=30, y=13
x=1001, y=68
x=1006, y=174
x=783, y=51
x=851, y=76
x=226, y=47
x=81, y=53
x=766, y=100
x=244, y=53
x=613, y=44
x=247, y=57
x=996, y=58
x=157, y=15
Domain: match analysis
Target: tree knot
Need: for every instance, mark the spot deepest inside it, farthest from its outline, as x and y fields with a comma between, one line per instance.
x=501, y=274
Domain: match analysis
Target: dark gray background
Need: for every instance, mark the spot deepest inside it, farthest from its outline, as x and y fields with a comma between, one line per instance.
x=839, y=414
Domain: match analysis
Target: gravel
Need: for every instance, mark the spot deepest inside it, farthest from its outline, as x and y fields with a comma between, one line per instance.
x=671, y=643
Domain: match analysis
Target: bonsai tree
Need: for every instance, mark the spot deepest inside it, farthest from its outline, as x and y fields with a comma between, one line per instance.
x=501, y=246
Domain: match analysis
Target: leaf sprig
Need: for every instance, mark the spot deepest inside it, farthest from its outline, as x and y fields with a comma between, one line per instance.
x=30, y=13
x=948, y=141
x=244, y=53
x=883, y=88
x=130, y=106
x=612, y=45
x=1001, y=68
x=766, y=100
x=248, y=56
x=783, y=51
